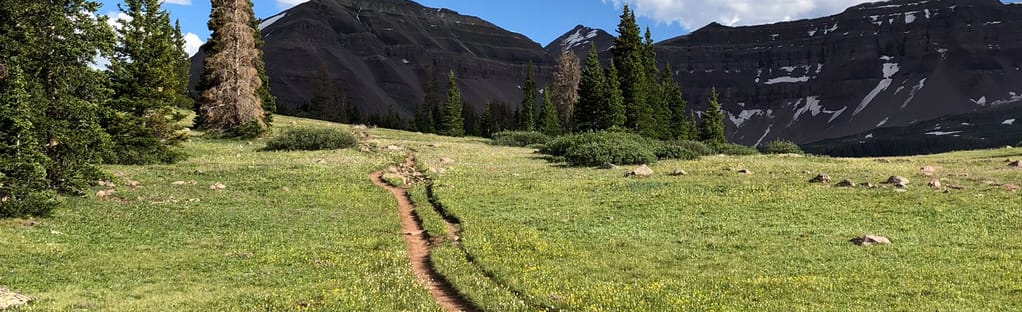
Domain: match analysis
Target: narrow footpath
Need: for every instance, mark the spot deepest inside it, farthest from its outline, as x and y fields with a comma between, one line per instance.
x=417, y=241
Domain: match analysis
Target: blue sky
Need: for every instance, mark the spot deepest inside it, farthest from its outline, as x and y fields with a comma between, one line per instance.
x=545, y=20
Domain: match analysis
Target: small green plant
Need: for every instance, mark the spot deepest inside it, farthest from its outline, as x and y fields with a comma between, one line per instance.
x=519, y=138
x=782, y=147
x=311, y=139
x=733, y=149
x=597, y=148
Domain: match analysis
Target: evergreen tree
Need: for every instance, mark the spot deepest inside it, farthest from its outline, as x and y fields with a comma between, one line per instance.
x=566, y=78
x=612, y=111
x=549, y=120
x=592, y=92
x=54, y=43
x=712, y=128
x=632, y=74
x=691, y=128
x=183, y=66
x=433, y=103
x=528, y=121
x=146, y=80
x=453, y=124
x=471, y=119
x=675, y=111
x=23, y=185
x=269, y=102
x=231, y=103
x=486, y=121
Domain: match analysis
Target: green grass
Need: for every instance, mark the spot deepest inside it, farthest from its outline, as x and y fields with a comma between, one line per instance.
x=292, y=231
x=308, y=231
x=542, y=235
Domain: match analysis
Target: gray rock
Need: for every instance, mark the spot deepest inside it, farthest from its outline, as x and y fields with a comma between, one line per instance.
x=820, y=178
x=846, y=183
x=898, y=181
x=641, y=171
x=606, y=166
x=867, y=240
x=679, y=172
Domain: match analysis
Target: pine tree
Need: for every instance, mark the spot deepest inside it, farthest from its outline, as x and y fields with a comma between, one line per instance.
x=675, y=110
x=453, y=124
x=23, y=184
x=566, y=78
x=231, y=103
x=183, y=69
x=612, y=110
x=592, y=92
x=632, y=74
x=528, y=121
x=147, y=83
x=549, y=120
x=712, y=128
x=486, y=121
x=269, y=102
x=432, y=104
x=691, y=127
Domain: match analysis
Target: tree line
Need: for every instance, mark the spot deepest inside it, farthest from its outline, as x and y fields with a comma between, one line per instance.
x=62, y=114
x=631, y=93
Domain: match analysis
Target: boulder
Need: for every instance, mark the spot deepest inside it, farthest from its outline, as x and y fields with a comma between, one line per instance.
x=745, y=171
x=217, y=186
x=641, y=171
x=897, y=181
x=1010, y=187
x=935, y=184
x=1015, y=164
x=820, y=178
x=606, y=166
x=10, y=300
x=867, y=185
x=867, y=240
x=679, y=172
x=928, y=171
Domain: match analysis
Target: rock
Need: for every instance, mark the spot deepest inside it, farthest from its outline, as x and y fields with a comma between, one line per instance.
x=394, y=148
x=898, y=181
x=820, y=178
x=846, y=183
x=867, y=185
x=133, y=184
x=956, y=187
x=106, y=183
x=935, y=184
x=446, y=161
x=10, y=300
x=294, y=123
x=641, y=171
x=360, y=127
x=991, y=183
x=178, y=183
x=807, y=172
x=1015, y=164
x=365, y=149
x=431, y=145
x=607, y=166
x=1010, y=187
x=218, y=186
x=870, y=240
x=928, y=171
x=437, y=170
x=105, y=193
x=745, y=171
x=679, y=172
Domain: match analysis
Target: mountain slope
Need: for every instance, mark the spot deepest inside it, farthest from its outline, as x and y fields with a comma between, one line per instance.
x=579, y=39
x=380, y=53
x=874, y=65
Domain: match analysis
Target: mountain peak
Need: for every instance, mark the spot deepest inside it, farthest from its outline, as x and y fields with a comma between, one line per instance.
x=578, y=40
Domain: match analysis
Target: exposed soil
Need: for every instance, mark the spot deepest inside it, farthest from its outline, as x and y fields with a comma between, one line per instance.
x=417, y=241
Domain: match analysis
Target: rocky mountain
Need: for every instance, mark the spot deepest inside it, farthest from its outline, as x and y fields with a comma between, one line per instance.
x=882, y=64
x=579, y=39
x=380, y=53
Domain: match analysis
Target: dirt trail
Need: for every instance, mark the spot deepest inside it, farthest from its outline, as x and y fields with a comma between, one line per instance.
x=418, y=248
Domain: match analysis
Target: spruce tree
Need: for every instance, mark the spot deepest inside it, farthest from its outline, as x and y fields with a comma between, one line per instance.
x=566, y=77
x=691, y=127
x=549, y=120
x=53, y=45
x=675, y=111
x=453, y=124
x=712, y=128
x=145, y=76
x=24, y=189
x=231, y=103
x=592, y=92
x=612, y=110
x=528, y=116
x=183, y=66
x=632, y=74
x=486, y=125
x=269, y=102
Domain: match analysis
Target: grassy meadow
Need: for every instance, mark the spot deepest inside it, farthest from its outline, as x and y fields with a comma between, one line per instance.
x=309, y=231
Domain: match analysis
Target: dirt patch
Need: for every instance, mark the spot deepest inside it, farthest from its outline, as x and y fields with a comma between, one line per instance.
x=417, y=242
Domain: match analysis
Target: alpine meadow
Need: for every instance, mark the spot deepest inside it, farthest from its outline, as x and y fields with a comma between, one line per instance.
x=383, y=155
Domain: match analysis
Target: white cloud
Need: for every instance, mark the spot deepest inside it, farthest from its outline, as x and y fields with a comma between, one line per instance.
x=287, y=4
x=116, y=19
x=693, y=14
x=178, y=2
x=192, y=43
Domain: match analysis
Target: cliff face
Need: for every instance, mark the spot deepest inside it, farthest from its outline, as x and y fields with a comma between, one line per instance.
x=884, y=64
x=380, y=53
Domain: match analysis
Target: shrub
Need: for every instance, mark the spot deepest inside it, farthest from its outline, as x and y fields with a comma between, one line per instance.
x=699, y=148
x=782, y=147
x=670, y=151
x=311, y=139
x=733, y=149
x=519, y=138
x=597, y=148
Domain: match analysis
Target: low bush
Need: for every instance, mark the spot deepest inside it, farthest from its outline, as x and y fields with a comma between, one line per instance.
x=699, y=148
x=615, y=147
x=311, y=139
x=782, y=147
x=609, y=152
x=519, y=138
x=670, y=151
x=733, y=149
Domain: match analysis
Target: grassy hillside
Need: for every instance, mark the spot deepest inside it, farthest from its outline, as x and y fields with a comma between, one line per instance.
x=308, y=230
